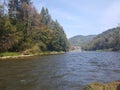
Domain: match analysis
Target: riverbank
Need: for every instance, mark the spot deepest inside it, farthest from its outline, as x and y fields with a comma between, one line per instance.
x=100, y=86
x=13, y=55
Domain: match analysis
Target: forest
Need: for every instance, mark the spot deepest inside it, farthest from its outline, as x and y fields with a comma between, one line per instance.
x=23, y=29
x=108, y=41
x=81, y=40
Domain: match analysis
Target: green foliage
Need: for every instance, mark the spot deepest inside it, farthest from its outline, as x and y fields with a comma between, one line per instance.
x=88, y=88
x=45, y=17
x=24, y=30
x=7, y=36
x=81, y=40
x=9, y=54
x=108, y=40
x=37, y=48
x=1, y=10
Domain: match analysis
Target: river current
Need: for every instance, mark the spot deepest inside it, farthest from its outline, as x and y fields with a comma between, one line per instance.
x=68, y=71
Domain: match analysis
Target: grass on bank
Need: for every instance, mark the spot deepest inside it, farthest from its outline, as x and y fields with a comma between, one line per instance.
x=3, y=54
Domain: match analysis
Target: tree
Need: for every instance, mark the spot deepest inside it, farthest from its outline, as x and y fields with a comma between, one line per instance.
x=1, y=11
x=8, y=36
x=23, y=29
x=45, y=17
x=108, y=40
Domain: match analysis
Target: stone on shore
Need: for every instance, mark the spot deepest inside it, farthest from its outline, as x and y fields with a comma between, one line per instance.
x=99, y=86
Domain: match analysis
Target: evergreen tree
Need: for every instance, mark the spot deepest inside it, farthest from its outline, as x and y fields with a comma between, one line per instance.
x=23, y=29
x=1, y=11
x=45, y=17
x=108, y=40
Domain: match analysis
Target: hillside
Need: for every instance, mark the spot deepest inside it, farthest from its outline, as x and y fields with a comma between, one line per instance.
x=108, y=40
x=80, y=40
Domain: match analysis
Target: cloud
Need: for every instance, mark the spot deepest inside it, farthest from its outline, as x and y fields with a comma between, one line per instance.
x=83, y=16
x=83, y=6
x=58, y=13
x=112, y=14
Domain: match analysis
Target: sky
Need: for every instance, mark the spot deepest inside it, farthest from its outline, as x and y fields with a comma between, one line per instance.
x=83, y=17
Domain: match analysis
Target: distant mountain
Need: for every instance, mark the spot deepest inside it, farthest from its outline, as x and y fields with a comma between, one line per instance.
x=108, y=40
x=81, y=40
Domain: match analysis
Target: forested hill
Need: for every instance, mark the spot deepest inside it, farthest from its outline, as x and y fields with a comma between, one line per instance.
x=22, y=28
x=81, y=40
x=108, y=40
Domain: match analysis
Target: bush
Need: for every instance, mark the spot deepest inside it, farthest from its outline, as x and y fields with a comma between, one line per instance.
x=36, y=49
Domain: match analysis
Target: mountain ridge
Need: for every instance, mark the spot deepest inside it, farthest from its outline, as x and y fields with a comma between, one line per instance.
x=108, y=40
x=81, y=40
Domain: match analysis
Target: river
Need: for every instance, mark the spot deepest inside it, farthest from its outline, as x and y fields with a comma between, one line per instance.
x=69, y=71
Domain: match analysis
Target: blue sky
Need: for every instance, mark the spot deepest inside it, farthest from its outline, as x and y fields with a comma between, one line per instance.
x=83, y=17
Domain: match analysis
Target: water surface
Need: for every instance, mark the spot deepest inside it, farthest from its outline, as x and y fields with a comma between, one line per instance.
x=69, y=71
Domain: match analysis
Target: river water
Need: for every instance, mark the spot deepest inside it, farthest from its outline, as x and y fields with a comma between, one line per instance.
x=69, y=71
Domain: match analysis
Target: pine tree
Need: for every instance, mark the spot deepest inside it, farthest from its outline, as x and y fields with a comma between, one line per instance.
x=1, y=10
x=45, y=17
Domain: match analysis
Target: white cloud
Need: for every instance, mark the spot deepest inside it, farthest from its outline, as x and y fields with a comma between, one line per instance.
x=112, y=14
x=83, y=16
x=61, y=14
x=83, y=6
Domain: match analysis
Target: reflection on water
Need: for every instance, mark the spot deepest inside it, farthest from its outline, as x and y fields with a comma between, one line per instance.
x=69, y=71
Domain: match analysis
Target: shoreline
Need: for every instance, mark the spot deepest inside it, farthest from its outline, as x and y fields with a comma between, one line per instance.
x=24, y=56
x=15, y=57
x=114, y=85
